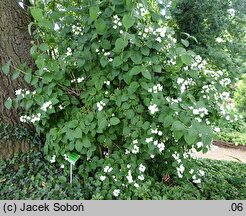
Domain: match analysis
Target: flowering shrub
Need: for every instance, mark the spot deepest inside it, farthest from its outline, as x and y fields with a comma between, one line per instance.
x=113, y=84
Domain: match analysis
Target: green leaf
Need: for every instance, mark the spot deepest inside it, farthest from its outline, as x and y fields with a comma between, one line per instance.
x=114, y=121
x=157, y=68
x=37, y=13
x=8, y=103
x=94, y=10
x=117, y=61
x=128, y=21
x=178, y=126
x=185, y=42
x=146, y=74
x=120, y=44
x=28, y=77
x=78, y=133
x=102, y=123
x=78, y=145
x=136, y=57
x=15, y=75
x=100, y=26
x=207, y=139
x=6, y=68
x=186, y=59
x=43, y=47
x=135, y=70
x=168, y=120
x=145, y=50
x=191, y=136
x=86, y=142
x=103, y=61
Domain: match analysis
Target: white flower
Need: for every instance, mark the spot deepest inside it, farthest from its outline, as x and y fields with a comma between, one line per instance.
x=18, y=92
x=158, y=39
x=108, y=169
x=127, y=152
x=107, y=83
x=129, y=177
x=141, y=168
x=135, y=142
x=128, y=166
x=79, y=80
x=153, y=108
x=159, y=133
x=97, y=50
x=62, y=166
x=116, y=192
x=65, y=157
x=136, y=185
x=201, y=173
x=197, y=181
x=115, y=27
x=199, y=144
x=100, y=105
x=217, y=130
x=135, y=149
x=53, y=159
x=46, y=105
x=102, y=178
x=148, y=140
x=141, y=177
x=191, y=171
x=152, y=156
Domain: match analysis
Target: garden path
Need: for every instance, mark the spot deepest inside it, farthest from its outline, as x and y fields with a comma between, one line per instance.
x=223, y=153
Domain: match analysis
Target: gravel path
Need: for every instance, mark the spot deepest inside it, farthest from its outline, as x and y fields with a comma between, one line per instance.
x=221, y=153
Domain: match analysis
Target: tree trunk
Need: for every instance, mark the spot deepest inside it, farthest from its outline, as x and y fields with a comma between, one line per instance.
x=15, y=44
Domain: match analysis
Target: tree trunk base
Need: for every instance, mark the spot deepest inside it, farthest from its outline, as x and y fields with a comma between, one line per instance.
x=10, y=147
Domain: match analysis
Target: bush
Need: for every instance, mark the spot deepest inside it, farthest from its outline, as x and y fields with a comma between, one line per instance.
x=240, y=95
x=113, y=85
x=238, y=138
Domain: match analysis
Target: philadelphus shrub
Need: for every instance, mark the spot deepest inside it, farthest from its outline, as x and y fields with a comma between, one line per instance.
x=114, y=85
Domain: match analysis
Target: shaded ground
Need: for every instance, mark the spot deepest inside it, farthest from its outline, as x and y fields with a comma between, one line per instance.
x=224, y=153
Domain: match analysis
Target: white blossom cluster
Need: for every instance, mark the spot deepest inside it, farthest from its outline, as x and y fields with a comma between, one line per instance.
x=173, y=100
x=185, y=83
x=194, y=177
x=180, y=169
x=153, y=108
x=100, y=105
x=105, y=53
x=24, y=92
x=116, y=192
x=117, y=22
x=198, y=63
x=200, y=111
x=107, y=169
x=156, y=88
x=47, y=105
x=225, y=82
x=159, y=145
x=77, y=30
x=32, y=119
x=78, y=80
x=141, y=10
x=53, y=159
x=69, y=52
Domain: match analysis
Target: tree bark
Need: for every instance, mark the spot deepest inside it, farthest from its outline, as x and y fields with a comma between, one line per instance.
x=15, y=44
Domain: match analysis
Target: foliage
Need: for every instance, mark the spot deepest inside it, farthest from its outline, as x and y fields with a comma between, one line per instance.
x=114, y=85
x=235, y=137
x=219, y=26
x=240, y=95
x=28, y=176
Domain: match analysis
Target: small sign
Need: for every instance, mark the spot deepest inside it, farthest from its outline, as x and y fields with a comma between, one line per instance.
x=73, y=157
